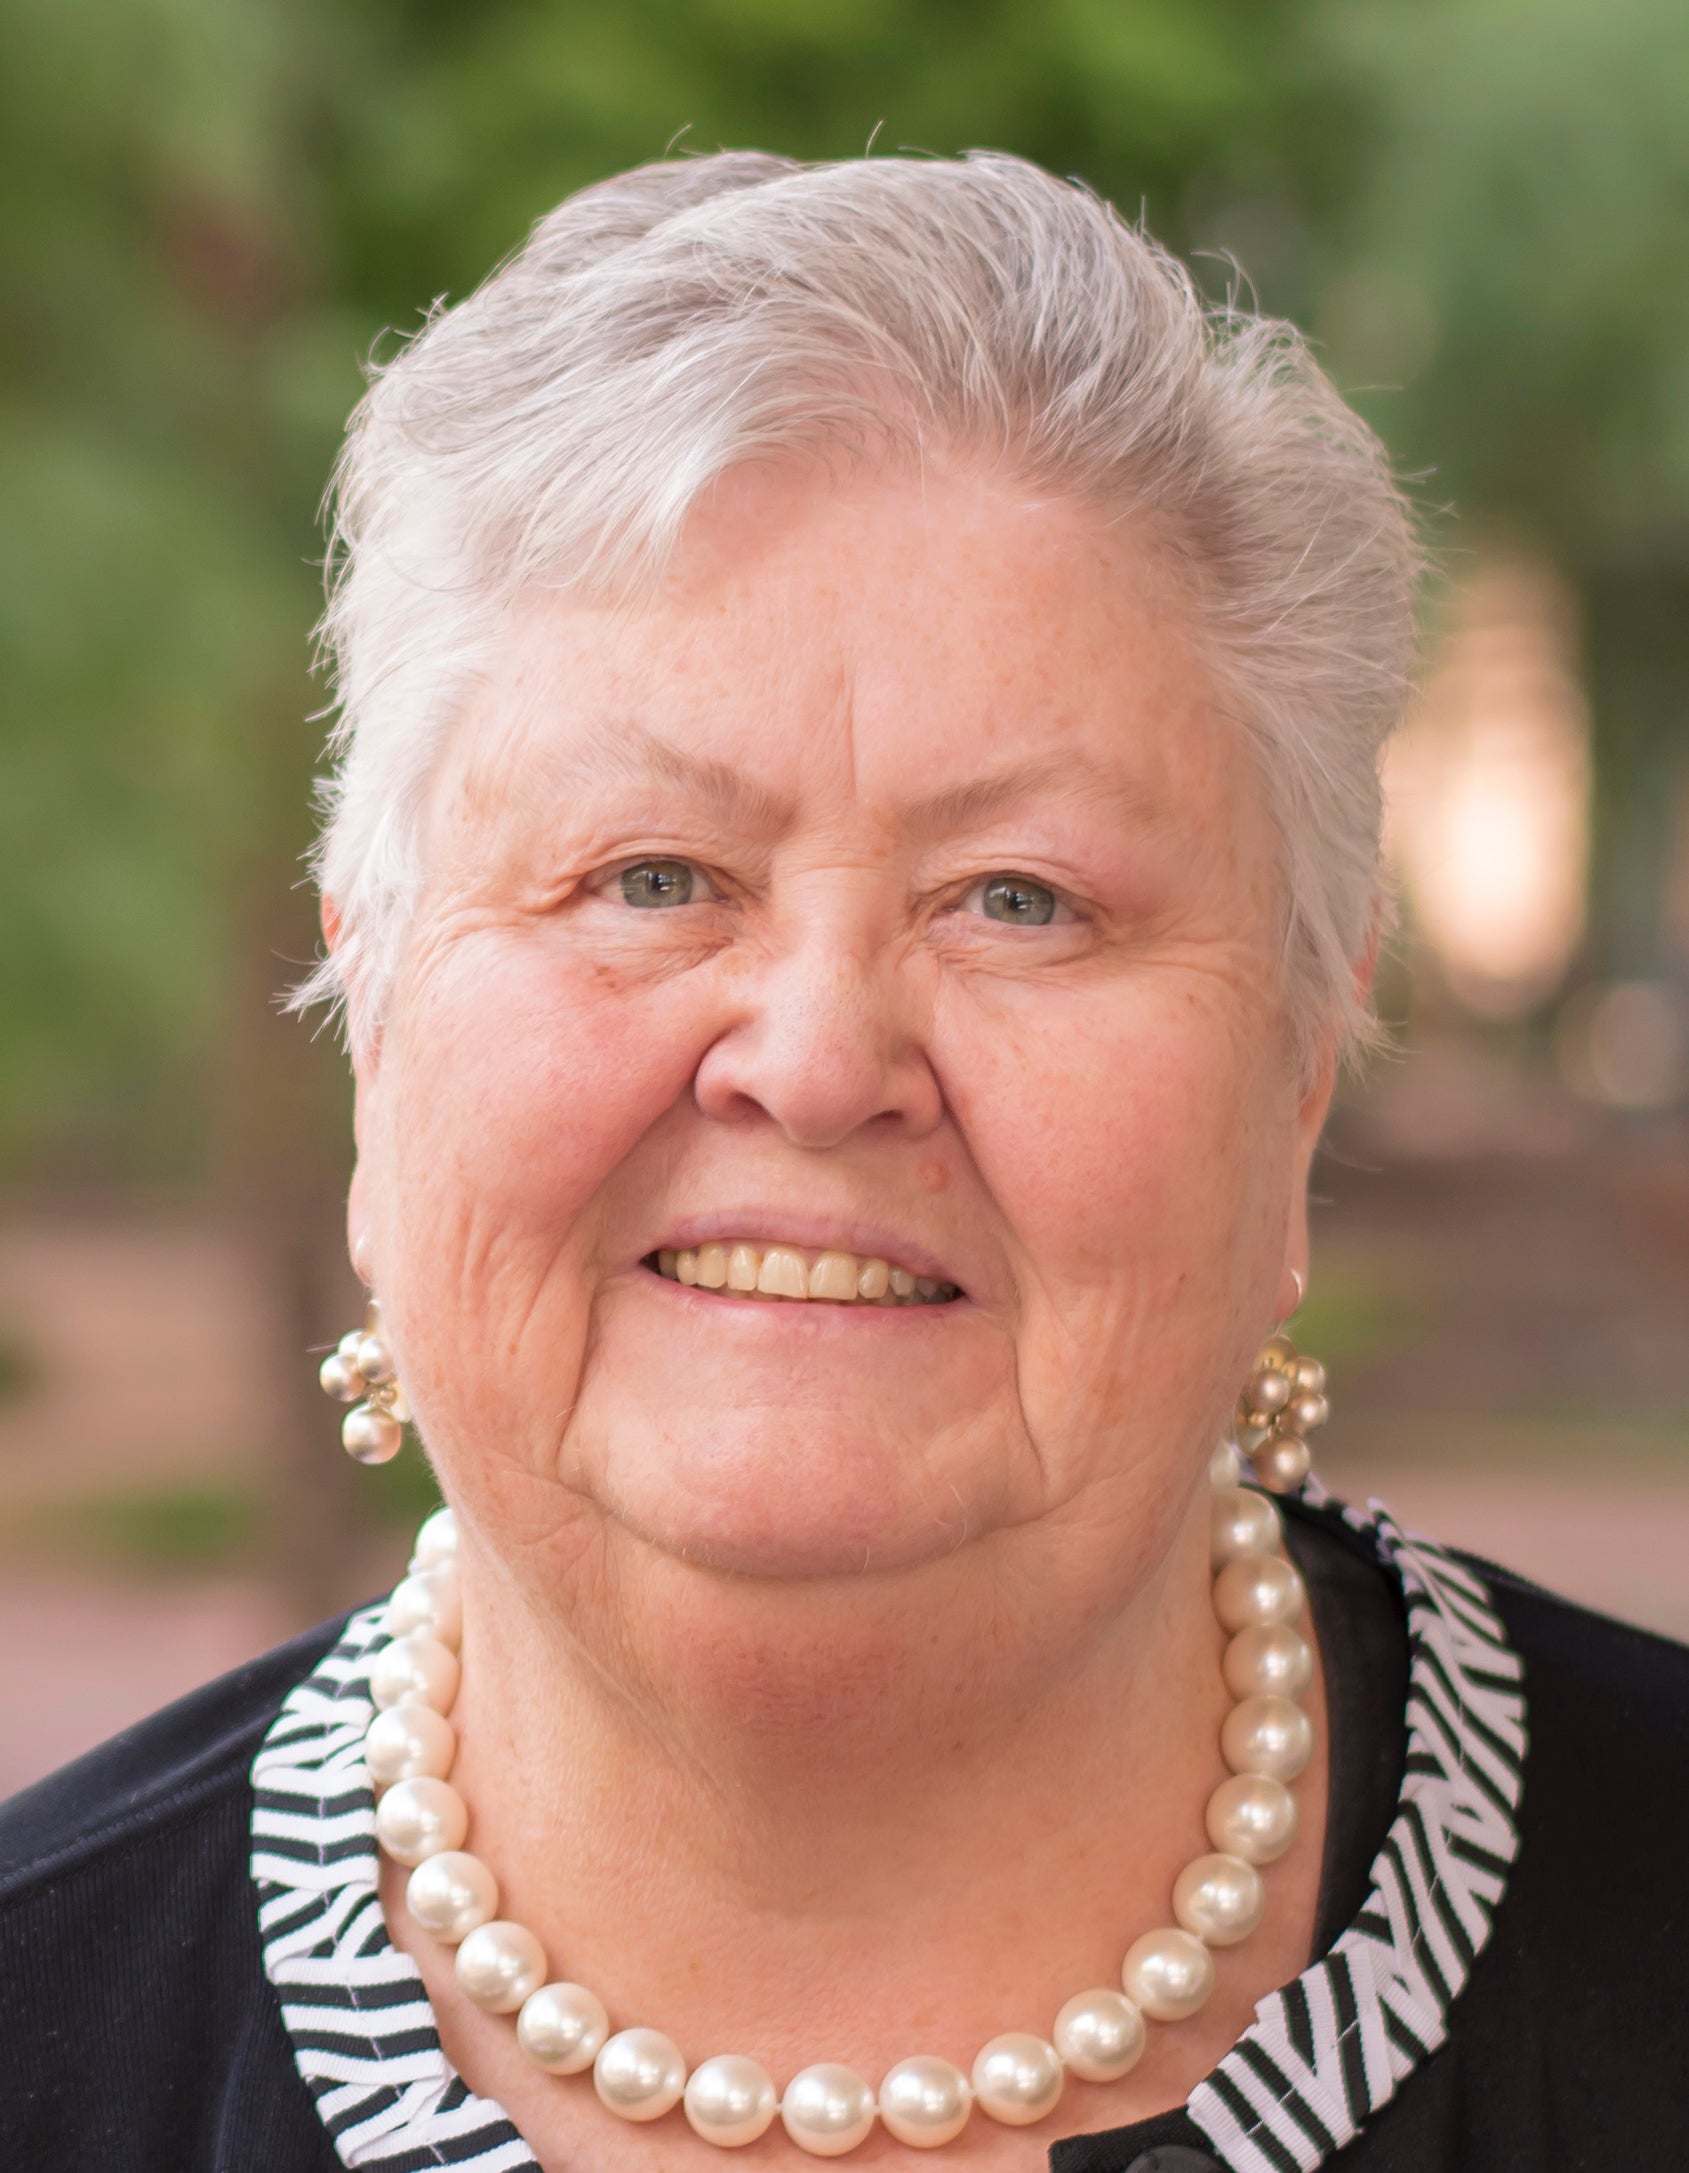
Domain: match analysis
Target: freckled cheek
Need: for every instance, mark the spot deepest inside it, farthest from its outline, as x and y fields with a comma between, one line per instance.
x=1107, y=1149
x=526, y=1085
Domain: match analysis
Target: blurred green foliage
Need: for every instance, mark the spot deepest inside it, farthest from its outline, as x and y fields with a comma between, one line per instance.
x=210, y=210
x=1363, y=1305
x=200, y=1526
x=18, y=1370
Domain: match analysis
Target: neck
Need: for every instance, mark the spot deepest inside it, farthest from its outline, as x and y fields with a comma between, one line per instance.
x=811, y=1824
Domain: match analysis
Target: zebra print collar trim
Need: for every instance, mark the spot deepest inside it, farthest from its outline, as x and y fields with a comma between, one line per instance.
x=1328, y=2050
x=1322, y=2056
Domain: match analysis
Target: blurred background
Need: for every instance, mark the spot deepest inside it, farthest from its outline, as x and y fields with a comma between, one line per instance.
x=212, y=210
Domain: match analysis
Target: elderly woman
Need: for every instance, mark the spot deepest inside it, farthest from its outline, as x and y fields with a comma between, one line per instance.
x=851, y=865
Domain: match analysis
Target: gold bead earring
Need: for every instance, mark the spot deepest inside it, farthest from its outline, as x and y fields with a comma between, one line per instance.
x=1283, y=1402
x=359, y=1371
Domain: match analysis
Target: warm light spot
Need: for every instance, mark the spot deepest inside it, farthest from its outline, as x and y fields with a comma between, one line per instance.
x=1488, y=796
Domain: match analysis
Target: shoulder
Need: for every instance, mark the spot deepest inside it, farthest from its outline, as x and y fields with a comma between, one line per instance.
x=1565, y=2044
x=1576, y=2010
x=1596, y=1686
x=1607, y=1721
x=137, y=2030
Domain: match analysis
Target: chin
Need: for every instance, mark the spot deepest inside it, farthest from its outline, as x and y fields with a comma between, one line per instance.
x=785, y=1506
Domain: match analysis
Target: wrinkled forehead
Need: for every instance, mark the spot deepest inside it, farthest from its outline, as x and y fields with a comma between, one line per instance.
x=923, y=650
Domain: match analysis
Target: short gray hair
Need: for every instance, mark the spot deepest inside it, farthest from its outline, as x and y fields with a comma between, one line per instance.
x=659, y=328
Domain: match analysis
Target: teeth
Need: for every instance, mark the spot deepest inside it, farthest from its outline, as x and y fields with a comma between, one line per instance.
x=784, y=1271
x=783, y=1274
x=834, y=1276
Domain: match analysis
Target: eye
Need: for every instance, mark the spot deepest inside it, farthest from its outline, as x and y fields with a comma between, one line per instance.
x=1016, y=900
x=661, y=882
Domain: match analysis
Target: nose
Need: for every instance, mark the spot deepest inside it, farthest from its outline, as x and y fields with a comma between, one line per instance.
x=825, y=1043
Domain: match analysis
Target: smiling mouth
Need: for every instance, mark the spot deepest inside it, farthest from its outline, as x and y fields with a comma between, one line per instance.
x=740, y=1269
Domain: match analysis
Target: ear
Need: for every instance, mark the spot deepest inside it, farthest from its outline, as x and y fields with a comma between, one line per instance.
x=1364, y=966
x=359, y=1247
x=1311, y=1112
x=359, y=1243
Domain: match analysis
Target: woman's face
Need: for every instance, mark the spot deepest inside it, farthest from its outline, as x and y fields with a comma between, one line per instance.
x=889, y=887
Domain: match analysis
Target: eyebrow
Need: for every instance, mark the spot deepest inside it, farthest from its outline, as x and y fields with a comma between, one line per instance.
x=635, y=755
x=1070, y=777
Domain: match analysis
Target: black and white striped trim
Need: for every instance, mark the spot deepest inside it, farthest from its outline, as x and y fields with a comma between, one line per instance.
x=354, y=2005
x=1322, y=2056
x=1329, y=2049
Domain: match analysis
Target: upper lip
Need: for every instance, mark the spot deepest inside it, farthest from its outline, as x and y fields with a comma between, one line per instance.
x=809, y=1231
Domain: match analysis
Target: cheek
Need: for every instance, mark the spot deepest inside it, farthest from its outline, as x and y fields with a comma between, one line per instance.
x=1135, y=1146
x=520, y=1084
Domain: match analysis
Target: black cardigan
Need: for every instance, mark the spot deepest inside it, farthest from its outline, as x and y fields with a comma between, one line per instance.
x=138, y=2033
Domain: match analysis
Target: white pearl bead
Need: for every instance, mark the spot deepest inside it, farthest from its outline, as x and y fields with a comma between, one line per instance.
x=407, y=1741
x=1267, y=1735
x=1224, y=1465
x=1243, y=1522
x=1099, y=2035
x=375, y=1360
x=730, y=2100
x=1269, y=1391
x=1219, y=1899
x=1257, y=1588
x=417, y=1819
x=452, y=1894
x=1268, y=1657
x=341, y=1381
x=1168, y=1973
x=436, y=1542
x=370, y=1435
x=346, y=1350
x=1017, y=2078
x=562, y=2027
x=417, y=1668
x=1281, y=1463
x=1252, y=1816
x=499, y=1965
x=639, y=2074
x=925, y=2101
x=427, y=1600
x=827, y=2109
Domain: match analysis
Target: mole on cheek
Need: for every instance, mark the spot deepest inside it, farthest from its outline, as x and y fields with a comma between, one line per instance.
x=932, y=1176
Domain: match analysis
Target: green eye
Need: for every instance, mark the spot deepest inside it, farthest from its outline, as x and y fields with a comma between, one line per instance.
x=658, y=882
x=1018, y=900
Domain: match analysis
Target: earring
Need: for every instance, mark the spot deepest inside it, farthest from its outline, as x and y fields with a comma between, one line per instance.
x=1283, y=1402
x=361, y=1366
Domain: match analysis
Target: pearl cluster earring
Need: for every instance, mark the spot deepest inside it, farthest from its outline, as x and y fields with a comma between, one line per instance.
x=1283, y=1402
x=359, y=1371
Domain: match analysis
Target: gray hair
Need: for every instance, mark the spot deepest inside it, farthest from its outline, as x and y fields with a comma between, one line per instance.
x=659, y=328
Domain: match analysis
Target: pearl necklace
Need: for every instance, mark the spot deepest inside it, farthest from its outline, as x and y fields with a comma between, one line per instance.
x=421, y=1821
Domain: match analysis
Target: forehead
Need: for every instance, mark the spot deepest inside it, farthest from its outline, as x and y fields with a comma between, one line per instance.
x=900, y=645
